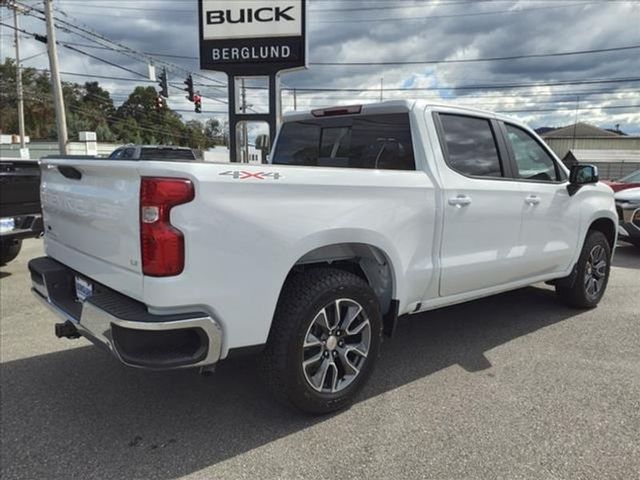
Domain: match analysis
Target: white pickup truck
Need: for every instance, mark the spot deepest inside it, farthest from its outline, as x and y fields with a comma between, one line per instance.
x=365, y=213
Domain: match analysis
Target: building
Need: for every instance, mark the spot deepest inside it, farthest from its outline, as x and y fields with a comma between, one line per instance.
x=37, y=150
x=582, y=136
x=612, y=164
x=221, y=154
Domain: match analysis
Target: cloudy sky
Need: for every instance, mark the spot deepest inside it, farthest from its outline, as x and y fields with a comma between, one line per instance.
x=388, y=31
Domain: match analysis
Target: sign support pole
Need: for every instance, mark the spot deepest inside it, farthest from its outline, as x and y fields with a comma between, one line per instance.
x=238, y=113
x=245, y=41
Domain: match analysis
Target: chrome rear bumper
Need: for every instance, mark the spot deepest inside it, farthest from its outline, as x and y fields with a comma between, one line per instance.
x=124, y=326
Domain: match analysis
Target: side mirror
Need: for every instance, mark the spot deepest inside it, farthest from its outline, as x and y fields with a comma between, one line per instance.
x=582, y=175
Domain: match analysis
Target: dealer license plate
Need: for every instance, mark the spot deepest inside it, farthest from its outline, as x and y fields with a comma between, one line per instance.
x=84, y=289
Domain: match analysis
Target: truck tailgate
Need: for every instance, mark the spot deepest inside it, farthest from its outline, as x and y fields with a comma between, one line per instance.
x=91, y=216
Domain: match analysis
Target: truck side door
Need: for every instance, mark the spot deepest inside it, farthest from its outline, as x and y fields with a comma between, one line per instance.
x=483, y=206
x=550, y=216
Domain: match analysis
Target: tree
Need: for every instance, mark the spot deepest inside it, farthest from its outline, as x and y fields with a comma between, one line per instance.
x=141, y=106
x=127, y=130
x=90, y=107
x=164, y=126
x=97, y=99
x=195, y=133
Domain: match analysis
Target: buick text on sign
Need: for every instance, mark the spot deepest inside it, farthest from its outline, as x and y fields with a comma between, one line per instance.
x=252, y=36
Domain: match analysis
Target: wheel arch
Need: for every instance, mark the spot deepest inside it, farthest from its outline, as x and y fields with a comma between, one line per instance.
x=369, y=262
x=607, y=227
x=603, y=223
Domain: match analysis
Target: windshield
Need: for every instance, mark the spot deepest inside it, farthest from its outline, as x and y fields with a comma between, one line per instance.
x=373, y=141
x=632, y=177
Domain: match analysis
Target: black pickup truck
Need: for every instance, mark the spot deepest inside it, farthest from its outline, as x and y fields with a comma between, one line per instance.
x=20, y=211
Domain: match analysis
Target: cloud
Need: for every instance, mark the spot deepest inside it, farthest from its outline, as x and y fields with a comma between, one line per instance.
x=406, y=30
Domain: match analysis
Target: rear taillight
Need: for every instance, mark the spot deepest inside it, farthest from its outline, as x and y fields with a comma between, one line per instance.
x=162, y=244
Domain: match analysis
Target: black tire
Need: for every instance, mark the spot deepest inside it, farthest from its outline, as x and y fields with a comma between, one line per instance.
x=9, y=251
x=577, y=292
x=304, y=296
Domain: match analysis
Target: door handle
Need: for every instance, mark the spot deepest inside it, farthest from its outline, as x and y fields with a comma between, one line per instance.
x=460, y=201
x=70, y=172
x=532, y=200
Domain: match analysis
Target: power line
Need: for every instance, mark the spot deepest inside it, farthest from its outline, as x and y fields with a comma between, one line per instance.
x=311, y=10
x=559, y=108
x=612, y=107
x=95, y=57
x=410, y=62
x=450, y=15
x=488, y=59
x=476, y=87
x=571, y=93
x=153, y=54
x=424, y=4
x=122, y=49
x=406, y=89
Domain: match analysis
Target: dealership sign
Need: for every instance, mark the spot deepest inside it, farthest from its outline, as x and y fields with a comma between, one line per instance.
x=252, y=37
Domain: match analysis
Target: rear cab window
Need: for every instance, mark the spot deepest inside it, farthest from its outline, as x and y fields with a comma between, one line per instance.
x=153, y=153
x=116, y=154
x=370, y=141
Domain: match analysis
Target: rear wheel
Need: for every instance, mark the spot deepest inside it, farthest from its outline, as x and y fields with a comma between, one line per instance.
x=324, y=340
x=592, y=273
x=9, y=251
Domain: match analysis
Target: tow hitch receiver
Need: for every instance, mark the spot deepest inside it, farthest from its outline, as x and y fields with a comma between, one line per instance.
x=66, y=330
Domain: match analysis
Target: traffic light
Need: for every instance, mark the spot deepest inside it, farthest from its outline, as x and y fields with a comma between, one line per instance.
x=162, y=81
x=189, y=83
x=197, y=100
x=159, y=103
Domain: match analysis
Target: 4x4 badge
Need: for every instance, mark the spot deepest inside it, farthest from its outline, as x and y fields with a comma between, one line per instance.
x=242, y=175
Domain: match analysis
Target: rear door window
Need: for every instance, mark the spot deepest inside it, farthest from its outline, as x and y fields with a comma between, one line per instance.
x=471, y=147
x=372, y=141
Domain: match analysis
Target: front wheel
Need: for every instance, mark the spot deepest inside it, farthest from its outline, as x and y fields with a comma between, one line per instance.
x=592, y=273
x=324, y=340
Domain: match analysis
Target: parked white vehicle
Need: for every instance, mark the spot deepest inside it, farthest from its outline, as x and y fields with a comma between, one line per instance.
x=365, y=214
x=628, y=207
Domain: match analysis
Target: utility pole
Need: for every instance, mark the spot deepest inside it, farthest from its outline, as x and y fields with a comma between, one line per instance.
x=575, y=122
x=58, y=99
x=19, y=79
x=382, y=89
x=245, y=130
x=295, y=100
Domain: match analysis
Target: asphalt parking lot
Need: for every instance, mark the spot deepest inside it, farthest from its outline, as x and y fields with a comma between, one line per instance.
x=514, y=386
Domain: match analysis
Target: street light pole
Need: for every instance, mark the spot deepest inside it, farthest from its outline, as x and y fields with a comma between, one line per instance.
x=19, y=79
x=58, y=99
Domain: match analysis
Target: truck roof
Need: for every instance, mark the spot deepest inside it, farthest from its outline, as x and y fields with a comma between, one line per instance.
x=400, y=106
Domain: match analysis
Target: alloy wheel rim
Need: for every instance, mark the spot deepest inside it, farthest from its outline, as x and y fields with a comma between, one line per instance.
x=336, y=346
x=596, y=271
